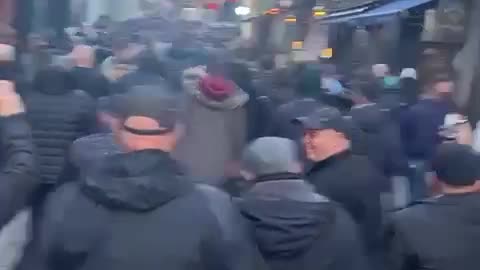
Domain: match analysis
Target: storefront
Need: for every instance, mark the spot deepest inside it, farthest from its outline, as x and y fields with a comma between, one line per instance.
x=385, y=33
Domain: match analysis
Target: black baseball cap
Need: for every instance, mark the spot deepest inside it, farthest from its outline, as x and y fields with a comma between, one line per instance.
x=154, y=102
x=324, y=118
x=456, y=164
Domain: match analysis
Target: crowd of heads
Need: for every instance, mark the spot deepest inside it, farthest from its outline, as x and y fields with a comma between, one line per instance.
x=225, y=118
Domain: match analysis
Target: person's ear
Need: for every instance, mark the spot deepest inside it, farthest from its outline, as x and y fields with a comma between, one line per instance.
x=436, y=185
x=477, y=186
x=180, y=130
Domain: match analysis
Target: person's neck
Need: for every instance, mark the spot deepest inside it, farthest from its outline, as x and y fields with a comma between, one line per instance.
x=448, y=190
x=84, y=66
x=334, y=152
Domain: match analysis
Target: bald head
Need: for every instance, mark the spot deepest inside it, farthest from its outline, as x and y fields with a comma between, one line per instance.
x=7, y=53
x=83, y=55
x=380, y=70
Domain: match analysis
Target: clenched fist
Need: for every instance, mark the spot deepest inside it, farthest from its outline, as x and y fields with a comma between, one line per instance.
x=10, y=102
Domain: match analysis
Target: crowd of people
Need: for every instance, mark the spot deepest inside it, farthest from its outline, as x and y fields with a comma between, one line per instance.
x=186, y=157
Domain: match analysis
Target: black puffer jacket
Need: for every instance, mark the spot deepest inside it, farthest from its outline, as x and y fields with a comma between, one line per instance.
x=355, y=183
x=139, y=211
x=17, y=175
x=58, y=116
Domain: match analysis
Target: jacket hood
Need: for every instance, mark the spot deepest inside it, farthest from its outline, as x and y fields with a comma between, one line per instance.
x=369, y=118
x=89, y=151
x=269, y=155
x=236, y=98
x=287, y=217
x=137, y=181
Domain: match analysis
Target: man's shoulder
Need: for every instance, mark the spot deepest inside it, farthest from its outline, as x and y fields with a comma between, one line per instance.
x=59, y=200
x=414, y=211
x=216, y=198
x=221, y=205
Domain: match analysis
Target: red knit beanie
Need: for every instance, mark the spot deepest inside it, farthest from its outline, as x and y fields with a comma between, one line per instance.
x=216, y=87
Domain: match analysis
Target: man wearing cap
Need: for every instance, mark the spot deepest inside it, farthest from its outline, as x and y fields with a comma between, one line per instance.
x=137, y=209
x=340, y=175
x=293, y=225
x=442, y=232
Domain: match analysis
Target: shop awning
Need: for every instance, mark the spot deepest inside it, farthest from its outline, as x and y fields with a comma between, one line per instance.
x=376, y=14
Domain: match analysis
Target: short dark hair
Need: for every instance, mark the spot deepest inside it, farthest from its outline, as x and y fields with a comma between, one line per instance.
x=456, y=164
x=267, y=62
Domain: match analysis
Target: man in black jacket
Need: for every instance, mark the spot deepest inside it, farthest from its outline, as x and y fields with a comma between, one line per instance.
x=443, y=232
x=295, y=227
x=385, y=148
x=343, y=177
x=17, y=175
x=84, y=75
x=58, y=116
x=138, y=210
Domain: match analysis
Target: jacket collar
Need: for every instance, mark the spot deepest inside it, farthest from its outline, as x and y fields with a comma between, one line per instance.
x=284, y=186
x=330, y=160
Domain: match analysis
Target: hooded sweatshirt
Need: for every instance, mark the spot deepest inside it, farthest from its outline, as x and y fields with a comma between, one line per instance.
x=88, y=152
x=216, y=127
x=135, y=211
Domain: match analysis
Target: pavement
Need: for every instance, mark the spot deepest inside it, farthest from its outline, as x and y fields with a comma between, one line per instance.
x=13, y=239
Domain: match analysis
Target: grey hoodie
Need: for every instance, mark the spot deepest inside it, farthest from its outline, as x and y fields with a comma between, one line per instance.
x=215, y=131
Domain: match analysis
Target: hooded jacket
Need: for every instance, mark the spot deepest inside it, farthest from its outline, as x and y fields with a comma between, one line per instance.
x=296, y=228
x=441, y=233
x=18, y=181
x=58, y=116
x=385, y=148
x=216, y=130
x=136, y=212
x=87, y=152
